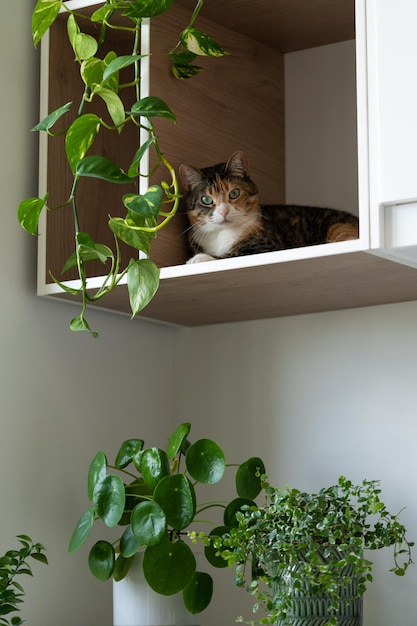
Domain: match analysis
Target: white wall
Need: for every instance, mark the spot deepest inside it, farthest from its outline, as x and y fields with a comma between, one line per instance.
x=316, y=396
x=52, y=420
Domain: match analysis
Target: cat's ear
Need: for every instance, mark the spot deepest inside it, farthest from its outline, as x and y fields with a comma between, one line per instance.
x=238, y=164
x=190, y=176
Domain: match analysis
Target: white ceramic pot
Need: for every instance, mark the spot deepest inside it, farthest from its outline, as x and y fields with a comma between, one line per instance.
x=136, y=604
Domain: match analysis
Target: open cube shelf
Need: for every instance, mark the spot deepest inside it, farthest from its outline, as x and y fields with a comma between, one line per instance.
x=263, y=99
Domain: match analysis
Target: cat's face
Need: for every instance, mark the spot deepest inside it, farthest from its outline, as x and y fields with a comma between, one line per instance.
x=220, y=198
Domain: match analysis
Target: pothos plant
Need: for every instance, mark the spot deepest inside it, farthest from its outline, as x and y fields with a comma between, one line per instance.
x=14, y=563
x=153, y=496
x=100, y=77
x=299, y=544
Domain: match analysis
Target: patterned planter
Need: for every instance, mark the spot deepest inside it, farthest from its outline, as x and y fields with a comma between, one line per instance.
x=310, y=609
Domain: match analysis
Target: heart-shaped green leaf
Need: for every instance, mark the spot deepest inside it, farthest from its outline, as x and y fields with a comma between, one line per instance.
x=114, y=104
x=103, y=168
x=79, y=323
x=109, y=500
x=200, y=43
x=120, y=63
x=80, y=136
x=29, y=212
x=52, y=118
x=101, y=560
x=183, y=72
x=138, y=239
x=139, y=154
x=151, y=106
x=198, y=593
x=248, y=478
x=85, y=46
x=168, y=567
x=147, y=205
x=176, y=495
x=205, y=461
x=149, y=523
x=142, y=283
x=91, y=71
x=44, y=15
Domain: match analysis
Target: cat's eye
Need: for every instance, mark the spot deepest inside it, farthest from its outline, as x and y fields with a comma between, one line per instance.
x=235, y=193
x=207, y=200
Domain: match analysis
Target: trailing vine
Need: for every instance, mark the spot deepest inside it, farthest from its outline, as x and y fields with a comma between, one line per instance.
x=146, y=213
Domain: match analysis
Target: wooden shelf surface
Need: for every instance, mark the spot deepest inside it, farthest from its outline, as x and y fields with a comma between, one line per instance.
x=312, y=285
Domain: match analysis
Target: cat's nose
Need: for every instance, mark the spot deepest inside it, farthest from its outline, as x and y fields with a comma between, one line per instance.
x=223, y=210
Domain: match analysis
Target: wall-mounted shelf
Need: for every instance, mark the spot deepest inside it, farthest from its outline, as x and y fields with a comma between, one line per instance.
x=240, y=103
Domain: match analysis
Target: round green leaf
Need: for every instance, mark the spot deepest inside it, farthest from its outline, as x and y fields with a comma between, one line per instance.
x=127, y=451
x=109, y=500
x=82, y=530
x=101, y=560
x=136, y=492
x=149, y=523
x=229, y=515
x=121, y=567
x=198, y=593
x=129, y=543
x=178, y=437
x=210, y=550
x=97, y=472
x=205, y=461
x=168, y=567
x=248, y=478
x=153, y=466
x=176, y=496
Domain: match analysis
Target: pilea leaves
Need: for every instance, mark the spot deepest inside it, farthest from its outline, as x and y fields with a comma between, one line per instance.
x=149, y=496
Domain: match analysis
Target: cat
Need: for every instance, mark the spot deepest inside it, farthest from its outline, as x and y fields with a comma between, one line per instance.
x=227, y=220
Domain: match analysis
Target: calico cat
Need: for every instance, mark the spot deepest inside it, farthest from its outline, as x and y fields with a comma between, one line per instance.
x=227, y=220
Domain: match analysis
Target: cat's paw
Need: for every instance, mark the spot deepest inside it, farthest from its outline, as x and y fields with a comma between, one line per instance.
x=200, y=258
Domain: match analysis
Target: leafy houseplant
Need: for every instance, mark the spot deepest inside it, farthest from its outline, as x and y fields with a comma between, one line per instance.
x=107, y=77
x=12, y=564
x=157, y=508
x=312, y=544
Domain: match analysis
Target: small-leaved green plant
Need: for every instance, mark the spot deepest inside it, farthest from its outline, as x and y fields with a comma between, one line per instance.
x=315, y=543
x=12, y=564
x=153, y=495
x=100, y=73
